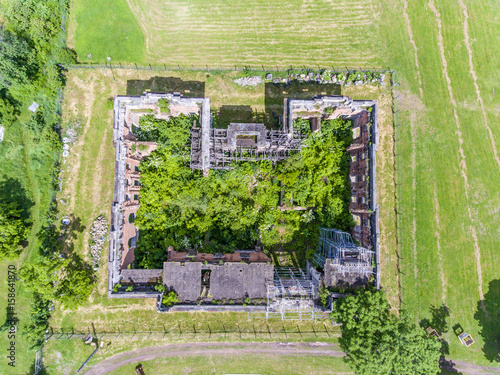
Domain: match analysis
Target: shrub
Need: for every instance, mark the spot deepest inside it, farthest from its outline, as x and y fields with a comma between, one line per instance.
x=169, y=299
x=164, y=105
x=323, y=295
x=116, y=287
x=160, y=288
x=326, y=75
x=110, y=102
x=130, y=288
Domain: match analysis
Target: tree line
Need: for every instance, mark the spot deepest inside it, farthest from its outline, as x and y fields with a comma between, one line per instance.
x=32, y=51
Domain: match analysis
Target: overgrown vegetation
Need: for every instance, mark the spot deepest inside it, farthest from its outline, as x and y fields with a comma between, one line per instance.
x=250, y=205
x=378, y=342
x=30, y=71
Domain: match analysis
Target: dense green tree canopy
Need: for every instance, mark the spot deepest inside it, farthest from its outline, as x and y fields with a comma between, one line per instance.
x=13, y=230
x=238, y=208
x=378, y=342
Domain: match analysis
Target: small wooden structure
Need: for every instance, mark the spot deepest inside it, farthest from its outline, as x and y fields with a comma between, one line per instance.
x=432, y=332
x=466, y=339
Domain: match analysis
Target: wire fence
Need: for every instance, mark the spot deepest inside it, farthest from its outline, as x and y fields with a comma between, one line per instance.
x=296, y=332
x=219, y=68
x=398, y=181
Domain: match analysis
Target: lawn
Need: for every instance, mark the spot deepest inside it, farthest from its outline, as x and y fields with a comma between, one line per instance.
x=447, y=172
x=226, y=33
x=105, y=28
x=201, y=358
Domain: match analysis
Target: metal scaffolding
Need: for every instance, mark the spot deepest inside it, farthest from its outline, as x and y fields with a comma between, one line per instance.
x=275, y=145
x=291, y=295
x=346, y=256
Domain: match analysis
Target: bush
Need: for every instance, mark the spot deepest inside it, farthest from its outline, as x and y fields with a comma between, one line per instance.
x=323, y=295
x=160, y=288
x=116, y=287
x=164, y=105
x=169, y=299
x=110, y=103
x=130, y=288
x=326, y=75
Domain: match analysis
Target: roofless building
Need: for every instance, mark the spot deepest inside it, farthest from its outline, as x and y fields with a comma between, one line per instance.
x=289, y=293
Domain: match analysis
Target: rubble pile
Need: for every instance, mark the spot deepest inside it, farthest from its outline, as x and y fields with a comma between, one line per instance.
x=98, y=233
x=249, y=81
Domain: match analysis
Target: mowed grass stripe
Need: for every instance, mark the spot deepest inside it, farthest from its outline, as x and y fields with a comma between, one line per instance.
x=457, y=247
x=225, y=34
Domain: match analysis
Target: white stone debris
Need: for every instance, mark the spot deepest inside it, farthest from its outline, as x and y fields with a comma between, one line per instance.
x=33, y=107
x=71, y=136
x=249, y=81
x=98, y=234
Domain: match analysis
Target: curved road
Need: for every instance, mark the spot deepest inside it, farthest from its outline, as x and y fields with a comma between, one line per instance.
x=221, y=348
x=228, y=348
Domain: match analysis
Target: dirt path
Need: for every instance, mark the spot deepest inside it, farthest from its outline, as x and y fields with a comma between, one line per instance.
x=210, y=349
x=228, y=349
x=468, y=368
x=415, y=49
x=463, y=164
x=474, y=77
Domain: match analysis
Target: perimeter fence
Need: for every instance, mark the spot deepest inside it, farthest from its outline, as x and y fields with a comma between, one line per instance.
x=219, y=68
x=319, y=331
x=398, y=182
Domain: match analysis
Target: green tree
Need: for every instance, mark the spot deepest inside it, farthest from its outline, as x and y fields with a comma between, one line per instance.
x=378, y=342
x=40, y=277
x=13, y=230
x=75, y=288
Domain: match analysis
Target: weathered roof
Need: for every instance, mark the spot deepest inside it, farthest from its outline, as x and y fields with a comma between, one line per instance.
x=227, y=280
x=140, y=276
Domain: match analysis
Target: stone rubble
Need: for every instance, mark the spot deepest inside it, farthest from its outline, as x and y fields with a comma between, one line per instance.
x=249, y=81
x=98, y=234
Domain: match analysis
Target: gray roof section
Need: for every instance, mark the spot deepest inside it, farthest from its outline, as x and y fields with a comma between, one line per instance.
x=227, y=281
x=240, y=280
x=184, y=279
x=141, y=276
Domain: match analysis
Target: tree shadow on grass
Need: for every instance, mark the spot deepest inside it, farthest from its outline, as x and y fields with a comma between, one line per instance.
x=488, y=318
x=438, y=321
x=11, y=191
x=447, y=367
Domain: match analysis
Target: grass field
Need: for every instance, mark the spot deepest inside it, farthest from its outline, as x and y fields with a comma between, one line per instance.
x=105, y=28
x=446, y=55
x=448, y=170
x=226, y=33
x=202, y=358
